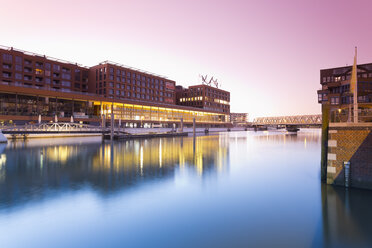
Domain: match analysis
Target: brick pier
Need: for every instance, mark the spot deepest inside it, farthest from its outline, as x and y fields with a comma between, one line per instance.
x=349, y=142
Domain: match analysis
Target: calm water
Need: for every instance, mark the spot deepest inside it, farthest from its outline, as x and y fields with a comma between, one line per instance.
x=238, y=189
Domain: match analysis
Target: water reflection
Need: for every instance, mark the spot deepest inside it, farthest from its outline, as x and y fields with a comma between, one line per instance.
x=32, y=171
x=237, y=189
x=346, y=217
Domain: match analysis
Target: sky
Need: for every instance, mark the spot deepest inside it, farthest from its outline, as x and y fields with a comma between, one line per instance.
x=266, y=53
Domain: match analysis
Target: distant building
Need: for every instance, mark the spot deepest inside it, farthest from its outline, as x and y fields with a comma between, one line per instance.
x=336, y=94
x=239, y=118
x=204, y=97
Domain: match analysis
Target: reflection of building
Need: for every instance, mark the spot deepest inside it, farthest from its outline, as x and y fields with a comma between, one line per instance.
x=33, y=85
x=106, y=167
x=159, y=153
x=346, y=220
x=239, y=118
x=204, y=97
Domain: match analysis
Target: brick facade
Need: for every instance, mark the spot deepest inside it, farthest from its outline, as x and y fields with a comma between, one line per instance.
x=350, y=144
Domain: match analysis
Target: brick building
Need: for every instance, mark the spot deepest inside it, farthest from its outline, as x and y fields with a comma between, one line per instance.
x=33, y=85
x=204, y=97
x=335, y=91
x=117, y=81
x=33, y=70
x=239, y=118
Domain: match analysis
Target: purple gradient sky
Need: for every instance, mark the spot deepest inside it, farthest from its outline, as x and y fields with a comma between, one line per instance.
x=266, y=53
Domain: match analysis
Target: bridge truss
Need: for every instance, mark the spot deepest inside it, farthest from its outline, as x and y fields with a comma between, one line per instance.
x=311, y=120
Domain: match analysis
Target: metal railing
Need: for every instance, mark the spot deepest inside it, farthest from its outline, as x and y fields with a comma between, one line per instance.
x=55, y=127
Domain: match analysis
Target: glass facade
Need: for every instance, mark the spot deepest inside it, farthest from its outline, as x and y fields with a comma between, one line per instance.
x=26, y=105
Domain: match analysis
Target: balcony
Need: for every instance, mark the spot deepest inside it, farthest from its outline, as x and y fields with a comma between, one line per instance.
x=27, y=78
x=7, y=66
x=7, y=74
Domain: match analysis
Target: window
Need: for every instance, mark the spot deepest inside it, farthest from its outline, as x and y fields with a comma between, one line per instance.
x=47, y=80
x=111, y=84
x=27, y=78
x=111, y=91
x=118, y=92
x=335, y=100
x=66, y=76
x=77, y=75
x=7, y=57
x=39, y=64
x=18, y=67
x=18, y=76
x=56, y=67
x=18, y=60
x=7, y=66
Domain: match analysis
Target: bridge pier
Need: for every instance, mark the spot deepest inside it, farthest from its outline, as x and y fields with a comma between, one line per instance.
x=292, y=128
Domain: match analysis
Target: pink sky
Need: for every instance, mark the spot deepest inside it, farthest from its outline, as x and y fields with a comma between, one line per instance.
x=266, y=53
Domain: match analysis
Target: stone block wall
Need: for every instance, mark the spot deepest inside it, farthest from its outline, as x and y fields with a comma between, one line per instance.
x=350, y=143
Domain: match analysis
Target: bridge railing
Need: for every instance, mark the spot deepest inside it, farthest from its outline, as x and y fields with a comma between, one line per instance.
x=56, y=126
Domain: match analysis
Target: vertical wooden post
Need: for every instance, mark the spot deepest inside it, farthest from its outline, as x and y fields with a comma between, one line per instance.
x=16, y=104
x=324, y=153
x=73, y=107
x=112, y=122
x=193, y=126
x=37, y=106
x=181, y=125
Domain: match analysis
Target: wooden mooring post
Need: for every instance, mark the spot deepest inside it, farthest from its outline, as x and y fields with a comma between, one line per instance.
x=193, y=126
x=112, y=123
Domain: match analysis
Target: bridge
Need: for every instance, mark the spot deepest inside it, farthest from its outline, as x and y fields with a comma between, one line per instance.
x=53, y=129
x=290, y=122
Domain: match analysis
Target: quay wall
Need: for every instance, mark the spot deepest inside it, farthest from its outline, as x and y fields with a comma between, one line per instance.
x=348, y=142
